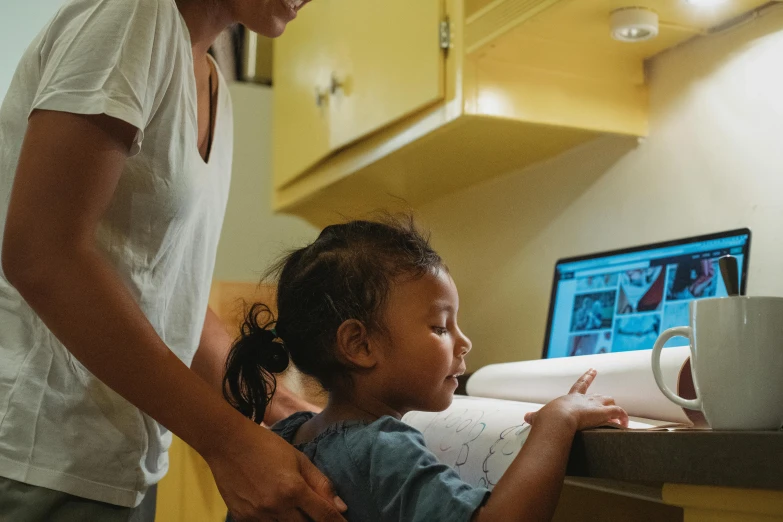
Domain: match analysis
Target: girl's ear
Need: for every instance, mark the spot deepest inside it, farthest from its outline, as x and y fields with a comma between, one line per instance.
x=353, y=345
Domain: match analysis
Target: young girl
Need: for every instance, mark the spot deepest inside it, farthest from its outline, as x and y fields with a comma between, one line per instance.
x=370, y=311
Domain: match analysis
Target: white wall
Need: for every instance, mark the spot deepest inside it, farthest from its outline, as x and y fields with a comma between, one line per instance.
x=20, y=21
x=253, y=237
x=713, y=161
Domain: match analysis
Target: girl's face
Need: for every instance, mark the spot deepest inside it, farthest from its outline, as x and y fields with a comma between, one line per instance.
x=266, y=17
x=423, y=349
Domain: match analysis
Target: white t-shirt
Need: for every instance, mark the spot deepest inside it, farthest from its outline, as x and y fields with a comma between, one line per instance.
x=60, y=427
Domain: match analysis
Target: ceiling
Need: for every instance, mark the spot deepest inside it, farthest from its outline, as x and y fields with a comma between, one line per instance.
x=584, y=25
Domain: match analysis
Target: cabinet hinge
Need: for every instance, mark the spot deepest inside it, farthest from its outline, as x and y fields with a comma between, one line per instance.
x=445, y=34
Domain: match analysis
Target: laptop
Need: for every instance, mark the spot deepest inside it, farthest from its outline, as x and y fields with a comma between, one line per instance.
x=622, y=300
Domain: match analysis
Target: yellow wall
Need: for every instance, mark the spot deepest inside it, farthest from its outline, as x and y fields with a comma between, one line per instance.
x=253, y=238
x=713, y=161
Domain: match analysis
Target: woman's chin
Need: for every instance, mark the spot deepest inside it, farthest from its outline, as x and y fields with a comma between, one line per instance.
x=271, y=29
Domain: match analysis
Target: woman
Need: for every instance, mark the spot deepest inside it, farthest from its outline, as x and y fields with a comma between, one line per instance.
x=115, y=157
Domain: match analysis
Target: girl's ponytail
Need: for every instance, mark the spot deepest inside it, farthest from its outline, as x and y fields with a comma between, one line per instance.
x=249, y=382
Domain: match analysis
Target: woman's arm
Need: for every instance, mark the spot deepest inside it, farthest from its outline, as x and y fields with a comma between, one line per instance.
x=209, y=363
x=530, y=487
x=67, y=174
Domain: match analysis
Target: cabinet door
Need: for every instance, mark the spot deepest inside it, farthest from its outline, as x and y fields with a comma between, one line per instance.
x=387, y=63
x=302, y=71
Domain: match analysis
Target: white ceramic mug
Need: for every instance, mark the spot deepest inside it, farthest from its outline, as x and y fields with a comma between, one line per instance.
x=737, y=362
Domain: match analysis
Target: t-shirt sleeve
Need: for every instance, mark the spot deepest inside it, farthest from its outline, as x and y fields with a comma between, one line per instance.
x=406, y=480
x=108, y=57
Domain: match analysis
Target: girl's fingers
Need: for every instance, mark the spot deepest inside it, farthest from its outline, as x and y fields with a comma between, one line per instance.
x=618, y=413
x=605, y=400
x=584, y=382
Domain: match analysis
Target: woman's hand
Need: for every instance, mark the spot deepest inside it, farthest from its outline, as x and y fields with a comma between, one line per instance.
x=261, y=477
x=582, y=411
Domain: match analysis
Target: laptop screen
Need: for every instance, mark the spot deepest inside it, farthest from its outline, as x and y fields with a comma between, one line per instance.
x=621, y=300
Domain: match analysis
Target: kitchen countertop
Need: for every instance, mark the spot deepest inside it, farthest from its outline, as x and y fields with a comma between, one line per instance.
x=748, y=460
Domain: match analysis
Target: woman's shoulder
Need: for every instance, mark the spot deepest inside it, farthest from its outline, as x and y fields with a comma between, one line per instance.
x=127, y=6
x=143, y=31
x=83, y=12
x=136, y=26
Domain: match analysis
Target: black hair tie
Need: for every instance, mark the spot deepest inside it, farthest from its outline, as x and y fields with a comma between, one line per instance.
x=273, y=356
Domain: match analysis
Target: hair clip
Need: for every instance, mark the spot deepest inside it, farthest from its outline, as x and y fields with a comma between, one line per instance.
x=275, y=358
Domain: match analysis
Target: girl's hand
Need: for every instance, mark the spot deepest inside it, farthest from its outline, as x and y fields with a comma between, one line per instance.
x=580, y=410
x=530, y=487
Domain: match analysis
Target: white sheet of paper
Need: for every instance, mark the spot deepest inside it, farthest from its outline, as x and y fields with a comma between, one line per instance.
x=626, y=376
x=477, y=437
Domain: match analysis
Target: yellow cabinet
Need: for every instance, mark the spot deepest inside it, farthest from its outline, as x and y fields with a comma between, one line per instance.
x=302, y=68
x=347, y=68
x=406, y=116
x=387, y=64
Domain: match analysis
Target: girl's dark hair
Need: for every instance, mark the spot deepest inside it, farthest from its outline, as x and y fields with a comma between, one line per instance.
x=346, y=273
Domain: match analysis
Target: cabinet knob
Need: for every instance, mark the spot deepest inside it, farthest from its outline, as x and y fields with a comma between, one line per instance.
x=336, y=85
x=321, y=97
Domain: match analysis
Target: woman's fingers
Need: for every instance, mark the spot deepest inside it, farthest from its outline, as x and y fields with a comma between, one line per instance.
x=320, y=502
x=317, y=509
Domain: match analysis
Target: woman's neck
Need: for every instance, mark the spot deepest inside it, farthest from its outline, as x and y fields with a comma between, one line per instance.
x=205, y=19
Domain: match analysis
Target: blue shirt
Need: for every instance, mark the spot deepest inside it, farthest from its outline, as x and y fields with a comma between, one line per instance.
x=384, y=472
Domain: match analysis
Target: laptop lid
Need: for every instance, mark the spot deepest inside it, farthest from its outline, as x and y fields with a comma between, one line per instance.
x=622, y=299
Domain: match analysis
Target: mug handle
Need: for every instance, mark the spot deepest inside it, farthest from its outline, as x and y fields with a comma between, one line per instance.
x=680, y=331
